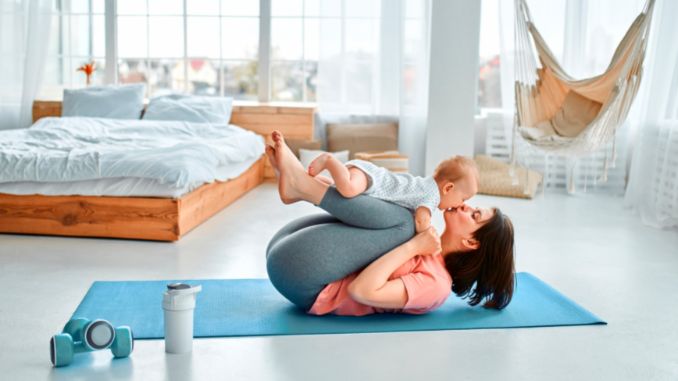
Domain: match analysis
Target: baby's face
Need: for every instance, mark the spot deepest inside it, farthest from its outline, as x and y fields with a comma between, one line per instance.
x=458, y=194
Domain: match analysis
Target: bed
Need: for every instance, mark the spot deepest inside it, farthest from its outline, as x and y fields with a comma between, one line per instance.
x=105, y=213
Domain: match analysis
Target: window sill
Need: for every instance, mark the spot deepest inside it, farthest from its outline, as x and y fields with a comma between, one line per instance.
x=56, y=95
x=308, y=106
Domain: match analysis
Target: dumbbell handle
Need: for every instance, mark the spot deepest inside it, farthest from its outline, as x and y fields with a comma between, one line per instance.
x=80, y=347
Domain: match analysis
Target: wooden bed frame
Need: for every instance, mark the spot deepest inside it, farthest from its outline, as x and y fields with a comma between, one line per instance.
x=150, y=218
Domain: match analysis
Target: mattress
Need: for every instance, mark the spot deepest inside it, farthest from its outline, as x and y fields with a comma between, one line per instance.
x=120, y=187
x=82, y=149
x=115, y=157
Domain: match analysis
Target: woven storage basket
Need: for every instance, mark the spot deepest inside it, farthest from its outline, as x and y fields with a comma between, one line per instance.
x=496, y=179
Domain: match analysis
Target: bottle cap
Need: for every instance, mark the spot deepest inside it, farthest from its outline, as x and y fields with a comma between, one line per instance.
x=180, y=296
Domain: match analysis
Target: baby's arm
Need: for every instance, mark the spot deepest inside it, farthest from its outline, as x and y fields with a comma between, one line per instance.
x=422, y=218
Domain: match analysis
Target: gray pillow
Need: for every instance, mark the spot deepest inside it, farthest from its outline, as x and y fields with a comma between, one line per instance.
x=117, y=102
x=190, y=108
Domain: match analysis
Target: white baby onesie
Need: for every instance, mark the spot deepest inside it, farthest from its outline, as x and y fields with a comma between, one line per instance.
x=403, y=189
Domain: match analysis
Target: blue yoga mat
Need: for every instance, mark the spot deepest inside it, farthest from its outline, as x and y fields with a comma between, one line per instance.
x=252, y=307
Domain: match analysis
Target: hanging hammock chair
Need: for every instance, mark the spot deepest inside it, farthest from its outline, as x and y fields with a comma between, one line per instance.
x=567, y=116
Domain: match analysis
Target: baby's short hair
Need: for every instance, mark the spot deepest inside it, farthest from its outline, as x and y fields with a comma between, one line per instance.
x=455, y=169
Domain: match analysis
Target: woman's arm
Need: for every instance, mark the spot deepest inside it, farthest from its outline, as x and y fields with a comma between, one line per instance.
x=372, y=286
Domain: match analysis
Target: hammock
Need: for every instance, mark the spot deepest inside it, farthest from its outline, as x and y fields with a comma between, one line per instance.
x=567, y=116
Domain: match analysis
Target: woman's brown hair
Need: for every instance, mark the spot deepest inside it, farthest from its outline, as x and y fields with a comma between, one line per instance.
x=488, y=272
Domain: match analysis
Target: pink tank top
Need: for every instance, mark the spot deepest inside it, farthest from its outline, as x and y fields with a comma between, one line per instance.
x=426, y=280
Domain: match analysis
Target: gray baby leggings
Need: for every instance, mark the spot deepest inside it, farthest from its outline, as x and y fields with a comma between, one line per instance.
x=313, y=251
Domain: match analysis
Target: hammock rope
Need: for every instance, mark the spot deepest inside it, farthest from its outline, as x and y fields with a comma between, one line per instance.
x=566, y=116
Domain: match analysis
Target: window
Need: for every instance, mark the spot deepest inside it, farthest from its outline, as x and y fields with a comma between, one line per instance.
x=489, y=79
x=77, y=37
x=206, y=47
x=414, y=53
x=295, y=30
x=489, y=76
x=350, y=52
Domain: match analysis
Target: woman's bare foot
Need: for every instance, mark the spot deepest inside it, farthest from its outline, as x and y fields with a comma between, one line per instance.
x=270, y=153
x=318, y=164
x=294, y=184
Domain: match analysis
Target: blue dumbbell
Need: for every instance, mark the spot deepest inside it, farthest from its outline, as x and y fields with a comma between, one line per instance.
x=84, y=335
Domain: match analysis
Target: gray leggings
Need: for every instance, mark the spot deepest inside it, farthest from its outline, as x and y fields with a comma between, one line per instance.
x=313, y=251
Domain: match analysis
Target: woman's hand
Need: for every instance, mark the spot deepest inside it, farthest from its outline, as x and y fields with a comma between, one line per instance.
x=428, y=242
x=373, y=287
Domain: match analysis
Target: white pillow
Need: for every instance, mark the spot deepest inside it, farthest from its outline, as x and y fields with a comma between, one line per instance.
x=118, y=102
x=306, y=156
x=190, y=108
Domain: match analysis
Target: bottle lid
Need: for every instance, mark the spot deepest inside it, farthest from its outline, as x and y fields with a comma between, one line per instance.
x=180, y=296
x=178, y=286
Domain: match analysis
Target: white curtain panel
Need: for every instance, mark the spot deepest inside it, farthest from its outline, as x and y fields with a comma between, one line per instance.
x=653, y=181
x=24, y=37
x=583, y=35
x=374, y=65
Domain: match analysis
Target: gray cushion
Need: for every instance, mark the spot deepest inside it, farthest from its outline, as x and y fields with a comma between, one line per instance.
x=190, y=108
x=117, y=102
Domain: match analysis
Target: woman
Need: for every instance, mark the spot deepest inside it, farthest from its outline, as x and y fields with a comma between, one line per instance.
x=362, y=258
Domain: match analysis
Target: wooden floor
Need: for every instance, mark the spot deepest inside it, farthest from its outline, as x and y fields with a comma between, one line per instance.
x=589, y=248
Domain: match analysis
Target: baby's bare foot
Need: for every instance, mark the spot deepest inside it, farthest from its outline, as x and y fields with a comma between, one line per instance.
x=323, y=179
x=318, y=164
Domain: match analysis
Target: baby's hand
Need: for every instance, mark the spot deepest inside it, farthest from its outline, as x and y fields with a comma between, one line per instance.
x=422, y=219
x=421, y=225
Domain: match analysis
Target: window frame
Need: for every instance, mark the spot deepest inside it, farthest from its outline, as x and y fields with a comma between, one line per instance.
x=264, y=62
x=65, y=56
x=111, y=56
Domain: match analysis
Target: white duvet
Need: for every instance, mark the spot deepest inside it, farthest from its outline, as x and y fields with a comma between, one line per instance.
x=177, y=154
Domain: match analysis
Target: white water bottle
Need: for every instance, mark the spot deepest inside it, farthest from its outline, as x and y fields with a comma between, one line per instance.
x=179, y=302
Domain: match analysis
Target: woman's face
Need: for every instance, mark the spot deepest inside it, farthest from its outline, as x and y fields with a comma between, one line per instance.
x=460, y=224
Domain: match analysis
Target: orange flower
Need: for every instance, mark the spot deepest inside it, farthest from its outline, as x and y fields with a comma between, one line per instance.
x=88, y=69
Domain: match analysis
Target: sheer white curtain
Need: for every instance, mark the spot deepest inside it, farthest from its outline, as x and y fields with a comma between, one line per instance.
x=583, y=35
x=374, y=66
x=24, y=29
x=653, y=182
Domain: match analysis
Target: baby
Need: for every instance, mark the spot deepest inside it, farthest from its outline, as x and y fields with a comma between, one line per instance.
x=454, y=181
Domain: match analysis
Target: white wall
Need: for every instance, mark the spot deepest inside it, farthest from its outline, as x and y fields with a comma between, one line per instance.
x=453, y=79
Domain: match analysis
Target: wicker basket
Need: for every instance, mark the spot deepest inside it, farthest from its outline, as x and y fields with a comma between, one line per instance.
x=496, y=179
